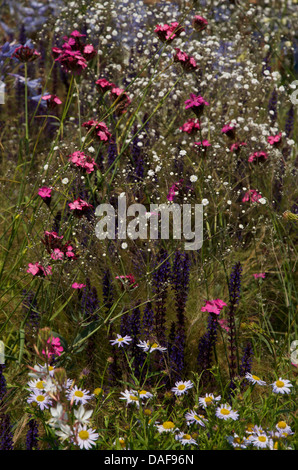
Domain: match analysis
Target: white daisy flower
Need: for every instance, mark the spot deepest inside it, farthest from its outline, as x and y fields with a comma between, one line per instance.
x=167, y=426
x=86, y=438
x=130, y=396
x=147, y=347
x=284, y=428
x=121, y=340
x=143, y=394
x=42, y=400
x=281, y=386
x=38, y=371
x=237, y=442
x=226, y=412
x=37, y=384
x=191, y=417
x=59, y=416
x=182, y=387
x=254, y=379
x=185, y=439
x=65, y=432
x=78, y=395
x=209, y=399
x=82, y=415
x=261, y=440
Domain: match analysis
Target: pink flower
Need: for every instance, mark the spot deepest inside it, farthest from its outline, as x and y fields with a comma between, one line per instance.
x=214, y=306
x=188, y=63
x=196, y=103
x=57, y=254
x=46, y=194
x=83, y=161
x=229, y=130
x=258, y=156
x=275, y=139
x=99, y=128
x=104, y=85
x=38, y=270
x=52, y=101
x=167, y=33
x=80, y=207
x=251, y=195
x=173, y=191
x=224, y=324
x=89, y=52
x=128, y=279
x=76, y=285
x=26, y=54
x=261, y=275
x=199, y=23
x=190, y=126
x=121, y=98
x=236, y=146
x=54, y=348
x=71, y=61
x=205, y=143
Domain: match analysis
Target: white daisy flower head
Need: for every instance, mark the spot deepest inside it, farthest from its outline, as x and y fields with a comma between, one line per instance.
x=121, y=341
x=284, y=428
x=254, y=379
x=208, y=400
x=192, y=417
x=37, y=384
x=225, y=412
x=78, y=395
x=182, y=387
x=150, y=347
x=86, y=437
x=59, y=416
x=144, y=394
x=282, y=386
x=166, y=426
x=65, y=432
x=130, y=396
x=185, y=439
x=261, y=440
x=41, y=399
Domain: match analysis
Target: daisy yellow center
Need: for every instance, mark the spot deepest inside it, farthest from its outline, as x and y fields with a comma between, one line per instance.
x=40, y=398
x=97, y=391
x=186, y=436
x=282, y=425
x=122, y=442
x=262, y=438
x=197, y=417
x=279, y=384
x=142, y=392
x=120, y=339
x=181, y=387
x=84, y=435
x=168, y=425
x=154, y=345
x=78, y=394
x=208, y=400
x=40, y=385
x=133, y=397
x=255, y=377
x=237, y=440
x=224, y=411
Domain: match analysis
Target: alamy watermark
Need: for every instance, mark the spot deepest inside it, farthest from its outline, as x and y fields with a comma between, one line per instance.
x=2, y=92
x=151, y=225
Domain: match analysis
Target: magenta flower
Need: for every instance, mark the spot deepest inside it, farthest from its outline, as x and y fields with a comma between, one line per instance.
x=25, y=54
x=46, y=194
x=99, y=128
x=57, y=254
x=76, y=285
x=259, y=275
x=229, y=130
x=123, y=100
x=167, y=33
x=80, y=207
x=275, y=140
x=79, y=159
x=190, y=126
x=173, y=191
x=71, y=61
x=224, y=324
x=258, y=156
x=236, y=146
x=103, y=84
x=251, y=195
x=196, y=104
x=128, y=280
x=52, y=101
x=188, y=63
x=214, y=306
x=38, y=270
x=203, y=145
x=54, y=348
x=199, y=23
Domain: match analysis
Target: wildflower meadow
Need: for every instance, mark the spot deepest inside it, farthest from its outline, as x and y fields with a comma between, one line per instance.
x=148, y=231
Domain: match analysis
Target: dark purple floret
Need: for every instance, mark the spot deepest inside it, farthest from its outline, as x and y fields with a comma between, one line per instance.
x=32, y=435
x=6, y=435
x=234, y=294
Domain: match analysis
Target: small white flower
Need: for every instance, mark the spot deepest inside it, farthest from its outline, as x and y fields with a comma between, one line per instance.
x=167, y=426
x=185, y=439
x=281, y=386
x=82, y=415
x=120, y=341
x=150, y=347
x=226, y=412
x=65, y=180
x=78, y=395
x=193, y=178
x=205, y=202
x=42, y=400
x=209, y=399
x=130, y=396
x=192, y=417
x=254, y=379
x=182, y=387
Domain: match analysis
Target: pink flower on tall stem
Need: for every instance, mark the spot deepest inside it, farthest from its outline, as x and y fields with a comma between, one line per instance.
x=167, y=33
x=77, y=285
x=258, y=157
x=199, y=23
x=99, y=129
x=236, y=146
x=196, y=104
x=122, y=100
x=37, y=269
x=190, y=126
x=251, y=195
x=202, y=145
x=26, y=54
x=46, y=194
x=103, y=85
x=80, y=207
x=53, y=348
x=80, y=160
x=275, y=140
x=52, y=101
x=188, y=63
x=259, y=275
x=214, y=306
x=229, y=130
